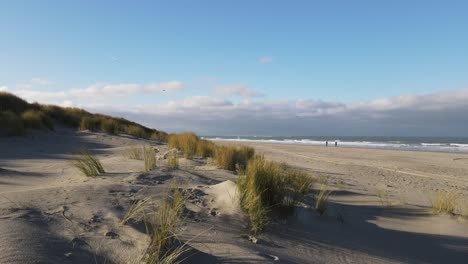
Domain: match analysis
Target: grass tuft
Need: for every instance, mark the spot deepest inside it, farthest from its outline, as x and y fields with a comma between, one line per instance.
x=136, y=211
x=226, y=157
x=133, y=152
x=173, y=160
x=163, y=224
x=267, y=184
x=149, y=156
x=230, y=157
x=321, y=200
x=89, y=165
x=383, y=195
x=444, y=203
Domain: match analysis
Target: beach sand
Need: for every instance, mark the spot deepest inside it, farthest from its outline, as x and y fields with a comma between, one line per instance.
x=49, y=213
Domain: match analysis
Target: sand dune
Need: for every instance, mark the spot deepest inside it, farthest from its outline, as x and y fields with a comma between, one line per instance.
x=49, y=213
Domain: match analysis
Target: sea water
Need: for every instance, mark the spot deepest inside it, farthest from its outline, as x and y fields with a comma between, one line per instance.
x=443, y=144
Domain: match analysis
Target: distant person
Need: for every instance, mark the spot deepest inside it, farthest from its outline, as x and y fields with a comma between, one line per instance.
x=326, y=143
x=336, y=143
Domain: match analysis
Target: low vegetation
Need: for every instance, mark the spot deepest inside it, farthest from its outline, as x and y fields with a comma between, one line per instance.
x=266, y=184
x=205, y=148
x=321, y=199
x=173, y=160
x=444, y=203
x=163, y=224
x=230, y=157
x=134, y=152
x=185, y=142
x=87, y=164
x=149, y=157
x=383, y=195
x=136, y=211
x=36, y=120
x=17, y=115
x=226, y=157
x=109, y=126
x=11, y=124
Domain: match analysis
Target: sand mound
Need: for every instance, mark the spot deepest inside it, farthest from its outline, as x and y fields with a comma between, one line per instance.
x=225, y=197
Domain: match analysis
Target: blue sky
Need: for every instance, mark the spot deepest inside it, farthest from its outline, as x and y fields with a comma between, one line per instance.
x=255, y=52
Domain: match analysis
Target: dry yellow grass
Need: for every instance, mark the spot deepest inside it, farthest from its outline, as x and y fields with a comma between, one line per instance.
x=444, y=203
x=87, y=164
x=267, y=184
x=173, y=161
x=162, y=225
x=149, y=157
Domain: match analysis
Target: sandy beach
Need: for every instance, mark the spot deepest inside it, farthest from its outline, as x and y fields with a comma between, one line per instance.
x=49, y=213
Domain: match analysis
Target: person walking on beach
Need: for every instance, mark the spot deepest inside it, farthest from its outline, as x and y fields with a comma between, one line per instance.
x=336, y=143
x=326, y=143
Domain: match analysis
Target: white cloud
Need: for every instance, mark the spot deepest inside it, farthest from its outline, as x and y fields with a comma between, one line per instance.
x=97, y=91
x=40, y=81
x=265, y=59
x=237, y=89
x=441, y=113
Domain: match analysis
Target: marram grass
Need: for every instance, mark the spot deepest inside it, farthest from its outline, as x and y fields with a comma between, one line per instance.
x=173, y=161
x=444, y=203
x=149, y=157
x=162, y=226
x=265, y=184
x=87, y=164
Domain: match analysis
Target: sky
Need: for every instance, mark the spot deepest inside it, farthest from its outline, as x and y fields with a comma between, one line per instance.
x=377, y=68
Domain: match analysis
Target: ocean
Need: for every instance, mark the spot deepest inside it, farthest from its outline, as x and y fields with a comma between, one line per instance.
x=442, y=144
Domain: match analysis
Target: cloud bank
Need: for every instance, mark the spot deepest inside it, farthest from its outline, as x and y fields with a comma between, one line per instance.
x=98, y=91
x=437, y=114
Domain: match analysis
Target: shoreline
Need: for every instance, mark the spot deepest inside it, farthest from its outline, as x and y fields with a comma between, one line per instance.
x=331, y=145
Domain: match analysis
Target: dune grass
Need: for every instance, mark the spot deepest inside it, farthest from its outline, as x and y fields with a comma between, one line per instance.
x=136, y=211
x=185, y=142
x=136, y=131
x=36, y=120
x=16, y=114
x=205, y=148
x=149, y=157
x=383, y=195
x=162, y=227
x=173, y=161
x=159, y=136
x=321, y=199
x=90, y=123
x=444, y=202
x=226, y=157
x=109, y=126
x=10, y=102
x=267, y=184
x=231, y=157
x=133, y=152
x=87, y=164
x=11, y=124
